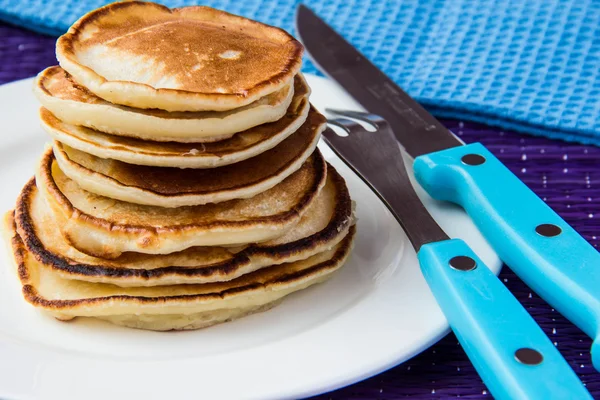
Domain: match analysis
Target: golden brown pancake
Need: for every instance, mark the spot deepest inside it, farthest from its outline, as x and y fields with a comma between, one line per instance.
x=176, y=187
x=105, y=227
x=323, y=225
x=170, y=307
x=197, y=58
x=75, y=105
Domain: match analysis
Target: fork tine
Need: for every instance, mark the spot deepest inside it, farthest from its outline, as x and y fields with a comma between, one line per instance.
x=346, y=124
x=331, y=138
x=369, y=118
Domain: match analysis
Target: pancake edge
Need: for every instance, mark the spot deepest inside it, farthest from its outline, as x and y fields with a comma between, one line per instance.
x=165, y=239
x=162, y=305
x=119, y=120
x=104, y=185
x=257, y=256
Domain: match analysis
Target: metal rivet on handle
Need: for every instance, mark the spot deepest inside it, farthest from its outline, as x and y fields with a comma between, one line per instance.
x=548, y=230
x=473, y=159
x=529, y=356
x=463, y=263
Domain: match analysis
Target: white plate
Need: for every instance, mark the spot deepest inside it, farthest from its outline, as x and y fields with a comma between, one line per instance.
x=375, y=313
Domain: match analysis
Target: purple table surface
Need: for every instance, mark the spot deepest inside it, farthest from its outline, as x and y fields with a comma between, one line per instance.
x=564, y=175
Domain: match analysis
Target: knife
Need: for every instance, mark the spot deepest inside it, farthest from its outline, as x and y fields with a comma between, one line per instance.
x=538, y=245
x=511, y=353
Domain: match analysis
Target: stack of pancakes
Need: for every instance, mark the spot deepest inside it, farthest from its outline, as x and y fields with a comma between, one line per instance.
x=183, y=186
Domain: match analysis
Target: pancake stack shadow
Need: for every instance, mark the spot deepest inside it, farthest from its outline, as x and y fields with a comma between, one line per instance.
x=183, y=186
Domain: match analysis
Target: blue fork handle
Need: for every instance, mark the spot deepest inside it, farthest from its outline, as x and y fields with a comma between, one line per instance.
x=538, y=245
x=494, y=329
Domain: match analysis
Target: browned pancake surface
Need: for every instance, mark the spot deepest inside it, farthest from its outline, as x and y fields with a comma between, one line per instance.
x=274, y=278
x=176, y=181
x=323, y=225
x=274, y=205
x=204, y=50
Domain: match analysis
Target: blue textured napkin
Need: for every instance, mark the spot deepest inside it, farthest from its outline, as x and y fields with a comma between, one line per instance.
x=527, y=65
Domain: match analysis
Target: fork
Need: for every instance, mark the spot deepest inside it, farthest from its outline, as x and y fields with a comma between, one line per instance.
x=511, y=353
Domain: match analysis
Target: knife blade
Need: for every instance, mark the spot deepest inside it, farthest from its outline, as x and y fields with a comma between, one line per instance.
x=509, y=350
x=538, y=245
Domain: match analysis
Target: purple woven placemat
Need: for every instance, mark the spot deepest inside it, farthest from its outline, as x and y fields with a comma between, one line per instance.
x=565, y=175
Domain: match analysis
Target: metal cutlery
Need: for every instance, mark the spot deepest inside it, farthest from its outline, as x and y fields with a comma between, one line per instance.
x=538, y=245
x=511, y=353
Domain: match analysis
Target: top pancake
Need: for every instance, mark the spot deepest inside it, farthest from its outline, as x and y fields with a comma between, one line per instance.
x=186, y=59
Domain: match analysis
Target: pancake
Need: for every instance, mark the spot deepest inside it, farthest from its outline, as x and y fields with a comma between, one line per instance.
x=196, y=58
x=75, y=105
x=323, y=225
x=105, y=227
x=175, y=187
x=171, y=307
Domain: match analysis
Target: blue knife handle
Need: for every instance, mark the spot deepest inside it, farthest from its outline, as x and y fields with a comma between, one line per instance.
x=492, y=326
x=558, y=264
